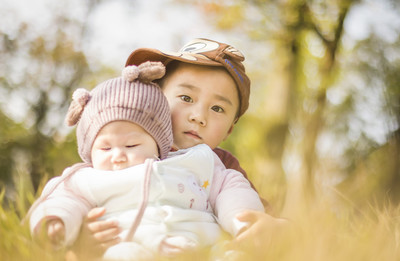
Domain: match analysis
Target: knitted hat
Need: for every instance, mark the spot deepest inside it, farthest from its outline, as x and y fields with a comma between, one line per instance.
x=203, y=52
x=132, y=97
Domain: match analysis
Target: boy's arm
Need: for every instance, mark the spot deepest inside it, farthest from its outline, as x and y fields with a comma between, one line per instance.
x=230, y=195
x=231, y=162
x=260, y=227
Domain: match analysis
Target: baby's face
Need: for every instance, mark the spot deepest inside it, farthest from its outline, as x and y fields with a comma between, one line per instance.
x=122, y=144
x=204, y=103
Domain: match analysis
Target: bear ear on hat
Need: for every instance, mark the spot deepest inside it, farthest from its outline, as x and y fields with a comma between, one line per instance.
x=130, y=73
x=150, y=71
x=80, y=98
x=145, y=72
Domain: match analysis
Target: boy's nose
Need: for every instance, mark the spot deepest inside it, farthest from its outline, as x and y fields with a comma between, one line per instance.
x=198, y=118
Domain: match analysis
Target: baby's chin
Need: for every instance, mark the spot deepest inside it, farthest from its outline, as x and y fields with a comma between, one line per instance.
x=120, y=167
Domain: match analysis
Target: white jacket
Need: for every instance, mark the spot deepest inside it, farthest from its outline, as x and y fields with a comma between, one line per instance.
x=191, y=195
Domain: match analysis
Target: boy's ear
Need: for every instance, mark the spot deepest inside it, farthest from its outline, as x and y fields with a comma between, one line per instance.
x=229, y=131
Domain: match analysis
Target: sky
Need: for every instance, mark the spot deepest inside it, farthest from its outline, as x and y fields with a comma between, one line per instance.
x=155, y=24
x=117, y=27
x=373, y=16
x=166, y=25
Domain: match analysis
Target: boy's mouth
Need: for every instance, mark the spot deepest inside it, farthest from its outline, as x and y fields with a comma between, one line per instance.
x=193, y=134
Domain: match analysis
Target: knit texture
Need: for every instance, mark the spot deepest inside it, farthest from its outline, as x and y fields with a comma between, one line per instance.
x=119, y=99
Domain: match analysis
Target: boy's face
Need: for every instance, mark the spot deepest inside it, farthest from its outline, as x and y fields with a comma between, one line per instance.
x=122, y=144
x=204, y=103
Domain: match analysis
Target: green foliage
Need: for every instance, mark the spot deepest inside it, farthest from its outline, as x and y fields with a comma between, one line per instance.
x=16, y=242
x=12, y=136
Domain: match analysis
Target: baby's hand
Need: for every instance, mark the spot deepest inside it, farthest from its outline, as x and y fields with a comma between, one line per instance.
x=55, y=231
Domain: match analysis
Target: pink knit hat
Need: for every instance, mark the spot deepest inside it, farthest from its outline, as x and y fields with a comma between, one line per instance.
x=132, y=97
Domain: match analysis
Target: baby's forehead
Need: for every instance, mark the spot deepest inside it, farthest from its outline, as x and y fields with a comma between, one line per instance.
x=121, y=129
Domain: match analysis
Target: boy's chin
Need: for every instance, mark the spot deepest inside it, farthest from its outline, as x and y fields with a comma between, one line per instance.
x=185, y=145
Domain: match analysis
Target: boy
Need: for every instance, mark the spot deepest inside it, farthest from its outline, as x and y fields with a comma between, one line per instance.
x=213, y=71
x=207, y=90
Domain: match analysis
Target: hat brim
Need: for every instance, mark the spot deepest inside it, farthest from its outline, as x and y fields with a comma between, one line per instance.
x=142, y=55
x=203, y=52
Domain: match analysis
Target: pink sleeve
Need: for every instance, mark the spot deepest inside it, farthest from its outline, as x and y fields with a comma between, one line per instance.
x=231, y=162
x=63, y=202
x=231, y=194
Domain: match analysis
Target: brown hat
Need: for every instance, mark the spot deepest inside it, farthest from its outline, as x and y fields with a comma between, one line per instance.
x=132, y=97
x=203, y=52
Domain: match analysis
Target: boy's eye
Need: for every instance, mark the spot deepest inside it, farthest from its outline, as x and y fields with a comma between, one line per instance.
x=186, y=98
x=217, y=108
x=105, y=148
x=131, y=146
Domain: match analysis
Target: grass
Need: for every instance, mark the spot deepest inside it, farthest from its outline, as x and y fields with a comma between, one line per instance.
x=325, y=235
x=319, y=233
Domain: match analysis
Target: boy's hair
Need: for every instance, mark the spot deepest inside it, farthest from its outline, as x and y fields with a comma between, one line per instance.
x=132, y=97
x=203, y=52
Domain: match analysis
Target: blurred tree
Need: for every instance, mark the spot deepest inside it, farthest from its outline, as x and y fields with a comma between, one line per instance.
x=373, y=160
x=307, y=61
x=39, y=70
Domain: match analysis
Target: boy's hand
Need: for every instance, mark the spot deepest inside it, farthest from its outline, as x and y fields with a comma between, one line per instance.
x=262, y=229
x=55, y=231
x=96, y=235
